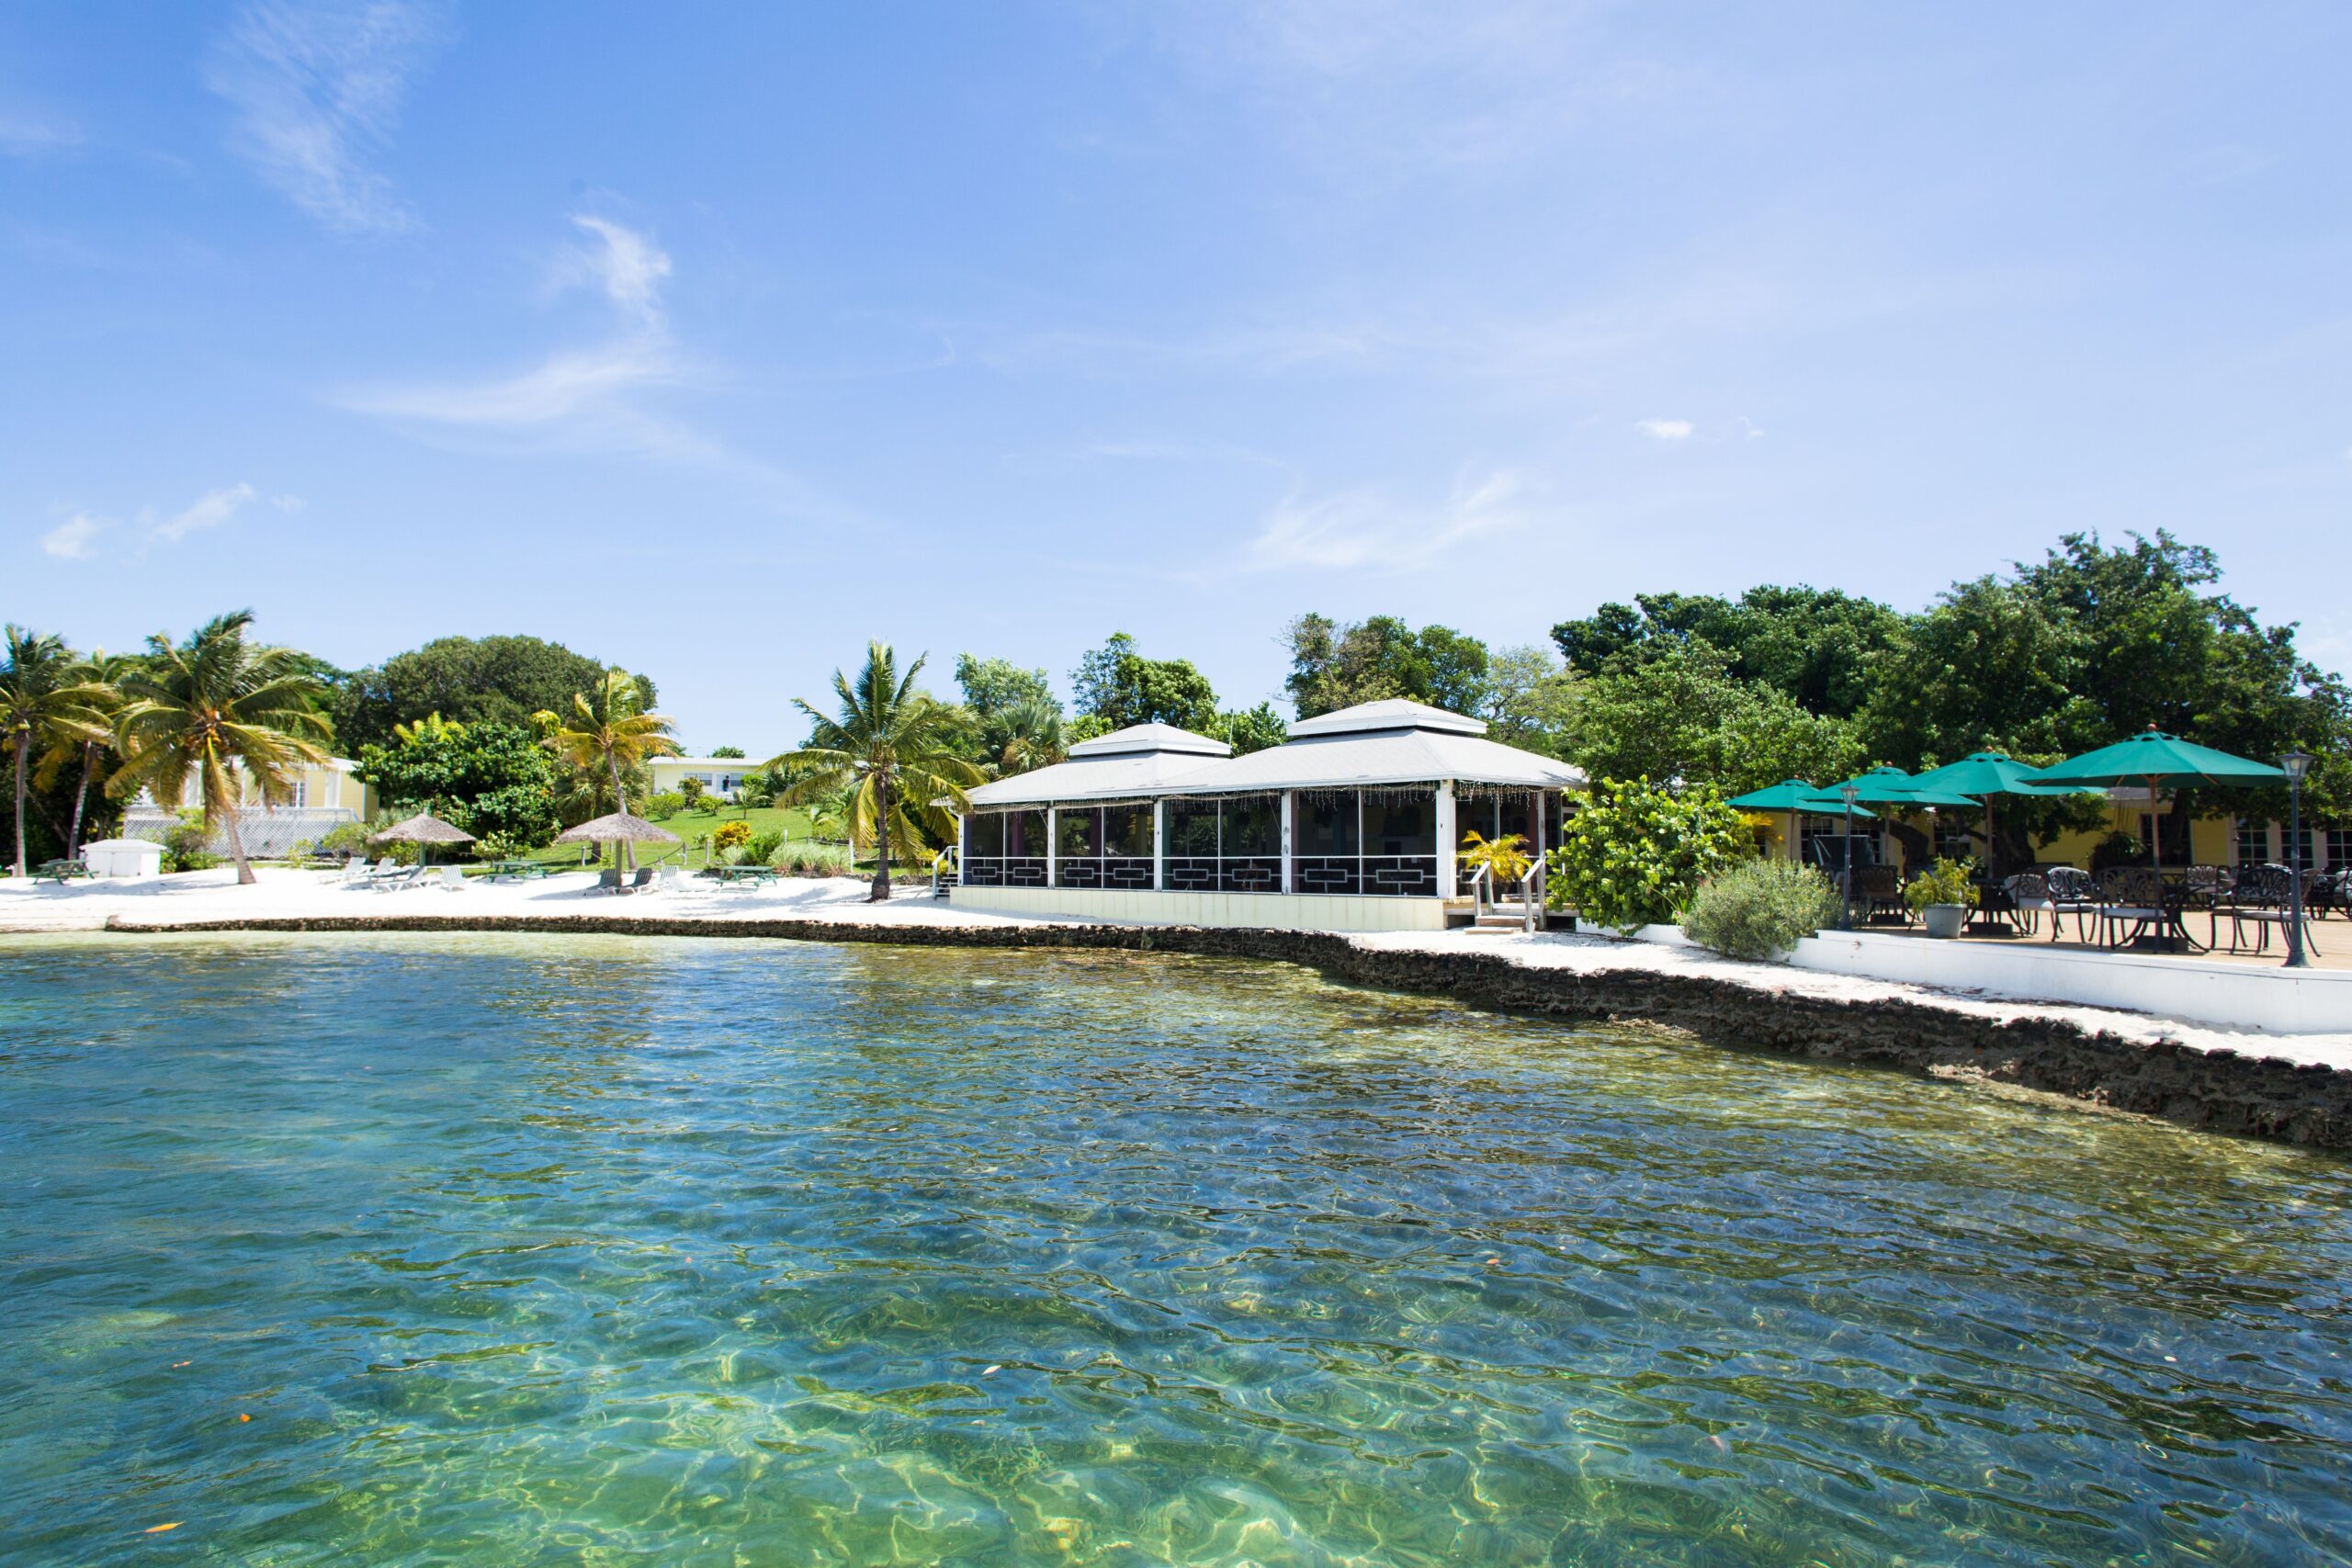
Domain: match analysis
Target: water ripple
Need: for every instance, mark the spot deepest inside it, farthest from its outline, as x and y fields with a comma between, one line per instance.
x=522, y=1251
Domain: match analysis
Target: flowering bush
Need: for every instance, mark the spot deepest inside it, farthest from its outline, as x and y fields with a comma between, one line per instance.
x=1633, y=853
x=1760, y=908
x=732, y=836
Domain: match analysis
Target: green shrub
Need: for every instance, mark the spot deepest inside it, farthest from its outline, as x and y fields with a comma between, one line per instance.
x=731, y=836
x=1633, y=853
x=762, y=847
x=344, y=839
x=1759, y=908
x=666, y=805
x=807, y=859
x=1946, y=882
x=187, y=844
x=497, y=846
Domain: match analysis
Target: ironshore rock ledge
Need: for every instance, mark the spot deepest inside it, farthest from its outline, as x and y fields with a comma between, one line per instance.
x=2293, y=1089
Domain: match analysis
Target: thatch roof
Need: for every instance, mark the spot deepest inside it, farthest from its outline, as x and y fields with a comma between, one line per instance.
x=620, y=827
x=421, y=828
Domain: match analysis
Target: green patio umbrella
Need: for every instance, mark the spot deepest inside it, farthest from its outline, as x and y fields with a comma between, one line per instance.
x=1797, y=798
x=2155, y=758
x=1888, y=786
x=1982, y=776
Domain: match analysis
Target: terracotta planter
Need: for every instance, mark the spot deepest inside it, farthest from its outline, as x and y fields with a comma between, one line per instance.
x=1944, y=920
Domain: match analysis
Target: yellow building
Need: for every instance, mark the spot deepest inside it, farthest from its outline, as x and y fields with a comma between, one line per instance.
x=327, y=796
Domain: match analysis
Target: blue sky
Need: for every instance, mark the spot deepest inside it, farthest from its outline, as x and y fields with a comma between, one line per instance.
x=714, y=340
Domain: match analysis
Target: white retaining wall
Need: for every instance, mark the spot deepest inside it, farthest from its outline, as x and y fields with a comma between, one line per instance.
x=2268, y=998
x=1278, y=912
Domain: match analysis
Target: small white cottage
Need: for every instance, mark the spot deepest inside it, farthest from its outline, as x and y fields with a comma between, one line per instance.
x=124, y=857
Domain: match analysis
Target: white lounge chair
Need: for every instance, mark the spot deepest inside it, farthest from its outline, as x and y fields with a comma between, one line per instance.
x=356, y=871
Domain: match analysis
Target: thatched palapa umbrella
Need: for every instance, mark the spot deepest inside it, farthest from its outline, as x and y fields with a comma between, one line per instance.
x=620, y=827
x=424, y=830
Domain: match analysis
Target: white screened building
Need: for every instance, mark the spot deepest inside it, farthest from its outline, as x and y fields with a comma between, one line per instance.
x=1354, y=824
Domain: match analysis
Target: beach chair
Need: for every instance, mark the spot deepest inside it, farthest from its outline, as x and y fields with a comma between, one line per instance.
x=640, y=883
x=607, y=880
x=355, y=872
x=399, y=879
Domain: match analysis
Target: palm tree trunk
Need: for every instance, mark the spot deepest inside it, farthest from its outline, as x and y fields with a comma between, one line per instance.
x=24, y=754
x=622, y=855
x=89, y=763
x=881, y=894
x=245, y=877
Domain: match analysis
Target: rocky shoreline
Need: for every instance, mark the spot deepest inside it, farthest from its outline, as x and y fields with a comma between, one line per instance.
x=2215, y=1090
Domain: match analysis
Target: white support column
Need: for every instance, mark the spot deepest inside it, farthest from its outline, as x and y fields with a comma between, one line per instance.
x=1536, y=849
x=963, y=823
x=1160, y=846
x=1447, y=839
x=1053, y=844
x=1290, y=816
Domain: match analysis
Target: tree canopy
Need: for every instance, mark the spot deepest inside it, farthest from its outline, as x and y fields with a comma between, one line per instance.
x=495, y=679
x=1120, y=687
x=492, y=780
x=1811, y=645
x=1335, y=666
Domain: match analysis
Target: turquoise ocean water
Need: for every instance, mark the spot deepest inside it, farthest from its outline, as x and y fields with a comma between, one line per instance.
x=502, y=1251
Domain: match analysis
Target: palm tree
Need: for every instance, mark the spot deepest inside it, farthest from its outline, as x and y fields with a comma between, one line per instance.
x=1506, y=859
x=1023, y=736
x=233, y=714
x=43, y=701
x=608, y=730
x=432, y=727
x=101, y=676
x=901, y=749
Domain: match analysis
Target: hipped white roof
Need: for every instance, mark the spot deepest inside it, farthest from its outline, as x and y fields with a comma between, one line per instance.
x=1393, y=742
x=1143, y=758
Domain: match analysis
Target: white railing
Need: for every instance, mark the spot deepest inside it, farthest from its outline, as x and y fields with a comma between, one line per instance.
x=1531, y=888
x=942, y=865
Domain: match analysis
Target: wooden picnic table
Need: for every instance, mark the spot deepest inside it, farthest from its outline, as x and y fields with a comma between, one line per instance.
x=525, y=869
x=58, y=871
x=729, y=875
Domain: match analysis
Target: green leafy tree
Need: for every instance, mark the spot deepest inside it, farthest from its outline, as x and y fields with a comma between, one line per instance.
x=233, y=714
x=1250, y=729
x=1333, y=666
x=490, y=779
x=1531, y=700
x=1118, y=685
x=729, y=752
x=990, y=685
x=44, y=702
x=898, y=747
x=1679, y=715
x=1813, y=646
x=1633, y=853
x=496, y=679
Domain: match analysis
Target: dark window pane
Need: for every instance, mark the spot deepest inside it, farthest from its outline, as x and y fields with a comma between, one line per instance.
x=1327, y=825
x=1081, y=832
x=1254, y=826
x=1127, y=830
x=1396, y=826
x=984, y=835
x=1191, y=828
x=1024, y=834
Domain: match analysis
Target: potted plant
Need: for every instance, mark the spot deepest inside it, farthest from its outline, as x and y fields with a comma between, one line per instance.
x=1944, y=895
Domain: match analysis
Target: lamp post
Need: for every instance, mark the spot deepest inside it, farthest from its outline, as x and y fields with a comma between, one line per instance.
x=2295, y=764
x=1849, y=794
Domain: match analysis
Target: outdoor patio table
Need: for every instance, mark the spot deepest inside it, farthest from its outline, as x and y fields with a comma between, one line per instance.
x=1996, y=910
x=2162, y=927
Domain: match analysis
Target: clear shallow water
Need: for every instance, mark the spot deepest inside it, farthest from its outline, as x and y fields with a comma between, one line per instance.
x=612, y=1251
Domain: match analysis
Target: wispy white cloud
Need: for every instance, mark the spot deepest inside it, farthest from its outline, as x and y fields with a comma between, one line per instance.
x=583, y=395
x=1665, y=429
x=72, y=540
x=1369, y=529
x=27, y=134
x=211, y=510
x=317, y=91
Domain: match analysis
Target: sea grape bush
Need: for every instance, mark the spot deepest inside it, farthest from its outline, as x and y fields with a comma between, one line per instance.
x=1760, y=908
x=1636, y=852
